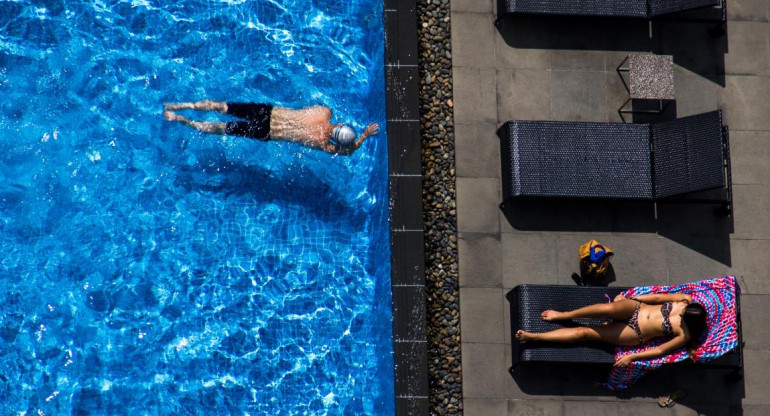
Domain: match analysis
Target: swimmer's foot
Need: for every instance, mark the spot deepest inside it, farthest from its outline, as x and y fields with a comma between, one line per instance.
x=550, y=315
x=172, y=116
x=524, y=336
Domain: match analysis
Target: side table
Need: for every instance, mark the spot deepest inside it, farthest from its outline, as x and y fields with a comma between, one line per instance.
x=651, y=77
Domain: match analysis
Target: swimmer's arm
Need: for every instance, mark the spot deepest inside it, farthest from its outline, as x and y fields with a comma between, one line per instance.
x=370, y=130
x=672, y=345
x=656, y=299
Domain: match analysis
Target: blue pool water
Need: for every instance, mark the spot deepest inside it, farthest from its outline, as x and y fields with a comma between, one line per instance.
x=150, y=269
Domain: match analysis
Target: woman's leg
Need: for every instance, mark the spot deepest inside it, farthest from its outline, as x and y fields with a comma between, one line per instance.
x=205, y=105
x=621, y=309
x=616, y=333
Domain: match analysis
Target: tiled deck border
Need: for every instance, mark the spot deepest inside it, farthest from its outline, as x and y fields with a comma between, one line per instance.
x=410, y=348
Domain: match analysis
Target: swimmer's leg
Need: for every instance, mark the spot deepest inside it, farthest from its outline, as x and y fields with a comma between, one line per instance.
x=204, y=126
x=205, y=105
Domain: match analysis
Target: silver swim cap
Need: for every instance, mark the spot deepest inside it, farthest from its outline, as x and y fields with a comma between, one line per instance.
x=343, y=136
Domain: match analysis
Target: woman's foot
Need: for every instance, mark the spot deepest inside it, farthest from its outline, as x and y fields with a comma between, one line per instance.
x=523, y=336
x=550, y=315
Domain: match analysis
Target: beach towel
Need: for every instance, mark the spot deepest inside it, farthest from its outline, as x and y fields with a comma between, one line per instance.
x=718, y=296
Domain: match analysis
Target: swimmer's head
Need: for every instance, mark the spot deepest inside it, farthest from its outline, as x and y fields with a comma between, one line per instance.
x=343, y=136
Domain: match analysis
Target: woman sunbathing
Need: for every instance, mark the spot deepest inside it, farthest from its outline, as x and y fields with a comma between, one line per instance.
x=635, y=321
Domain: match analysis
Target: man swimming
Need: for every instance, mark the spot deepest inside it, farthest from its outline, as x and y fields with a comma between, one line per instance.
x=310, y=126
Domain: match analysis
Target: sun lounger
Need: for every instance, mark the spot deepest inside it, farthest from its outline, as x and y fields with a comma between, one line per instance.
x=528, y=301
x=645, y=9
x=654, y=162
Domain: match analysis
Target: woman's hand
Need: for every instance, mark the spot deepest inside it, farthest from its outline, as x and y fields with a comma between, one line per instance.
x=620, y=296
x=624, y=361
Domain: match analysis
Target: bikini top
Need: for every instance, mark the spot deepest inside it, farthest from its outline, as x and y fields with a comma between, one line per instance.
x=665, y=310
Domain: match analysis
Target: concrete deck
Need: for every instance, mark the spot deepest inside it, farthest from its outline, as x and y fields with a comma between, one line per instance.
x=564, y=69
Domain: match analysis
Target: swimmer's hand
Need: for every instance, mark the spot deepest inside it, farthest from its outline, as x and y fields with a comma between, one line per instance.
x=372, y=129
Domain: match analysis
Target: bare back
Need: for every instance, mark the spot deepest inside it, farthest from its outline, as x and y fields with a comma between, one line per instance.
x=310, y=126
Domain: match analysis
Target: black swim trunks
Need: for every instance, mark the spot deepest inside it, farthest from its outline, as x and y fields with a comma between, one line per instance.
x=258, y=124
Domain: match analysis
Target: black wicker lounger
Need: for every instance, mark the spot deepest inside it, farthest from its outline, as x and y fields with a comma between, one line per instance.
x=651, y=162
x=528, y=301
x=645, y=9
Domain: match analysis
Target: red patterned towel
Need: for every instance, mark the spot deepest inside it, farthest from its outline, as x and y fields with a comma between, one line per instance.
x=718, y=296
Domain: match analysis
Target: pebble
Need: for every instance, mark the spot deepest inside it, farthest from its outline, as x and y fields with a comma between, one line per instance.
x=439, y=207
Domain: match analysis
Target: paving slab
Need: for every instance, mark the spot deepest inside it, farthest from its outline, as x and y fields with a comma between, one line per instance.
x=523, y=94
x=749, y=155
x=534, y=407
x=476, y=6
x=615, y=94
x=752, y=265
x=751, y=204
x=473, y=39
x=748, y=49
x=578, y=60
x=747, y=10
x=578, y=95
x=686, y=265
x=475, y=95
x=757, y=378
x=482, y=310
x=485, y=371
x=477, y=205
x=755, y=310
x=641, y=260
x=582, y=408
x=521, y=58
x=485, y=407
x=694, y=93
x=477, y=150
x=756, y=410
x=528, y=258
x=479, y=260
x=744, y=102
x=536, y=382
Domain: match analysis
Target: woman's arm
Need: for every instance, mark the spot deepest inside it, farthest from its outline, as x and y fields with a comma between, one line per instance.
x=656, y=299
x=662, y=349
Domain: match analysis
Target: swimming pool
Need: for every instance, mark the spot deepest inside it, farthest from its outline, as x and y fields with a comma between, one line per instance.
x=152, y=269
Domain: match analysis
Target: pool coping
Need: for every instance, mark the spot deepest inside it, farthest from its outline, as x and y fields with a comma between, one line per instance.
x=410, y=339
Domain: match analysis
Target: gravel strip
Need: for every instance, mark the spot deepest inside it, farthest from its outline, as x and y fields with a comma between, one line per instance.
x=439, y=206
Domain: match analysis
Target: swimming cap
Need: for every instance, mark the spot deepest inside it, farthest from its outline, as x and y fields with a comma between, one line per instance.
x=343, y=135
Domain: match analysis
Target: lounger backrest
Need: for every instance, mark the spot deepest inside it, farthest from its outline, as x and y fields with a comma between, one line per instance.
x=661, y=7
x=687, y=154
x=621, y=8
x=575, y=159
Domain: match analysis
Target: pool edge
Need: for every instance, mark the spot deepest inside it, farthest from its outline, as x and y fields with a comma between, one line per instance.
x=410, y=343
